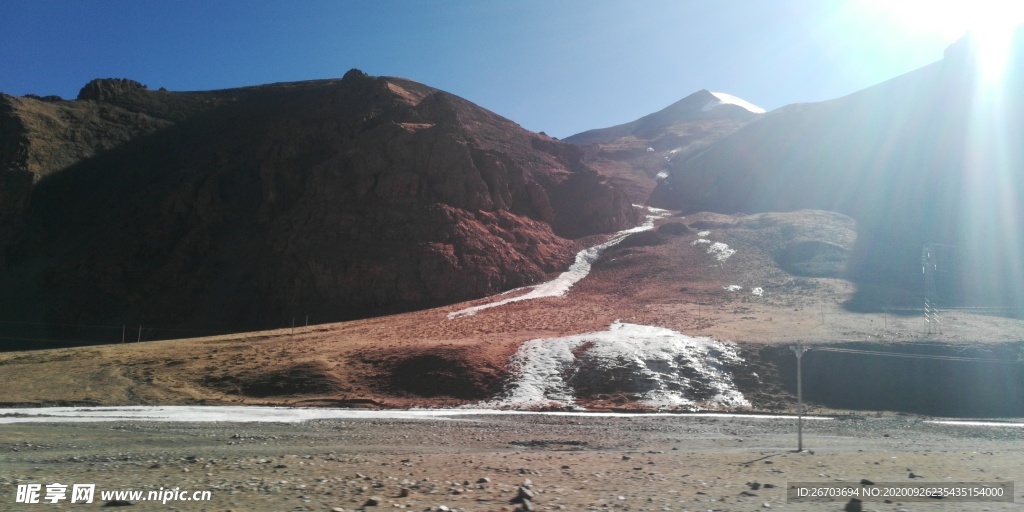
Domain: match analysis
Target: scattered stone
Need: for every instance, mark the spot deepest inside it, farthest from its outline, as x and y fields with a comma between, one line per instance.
x=766, y=505
x=865, y=481
x=373, y=501
x=854, y=505
x=483, y=480
x=749, y=493
x=404, y=492
x=523, y=495
x=118, y=503
x=754, y=485
x=912, y=475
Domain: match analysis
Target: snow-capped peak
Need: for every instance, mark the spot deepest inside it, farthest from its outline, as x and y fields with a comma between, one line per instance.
x=728, y=99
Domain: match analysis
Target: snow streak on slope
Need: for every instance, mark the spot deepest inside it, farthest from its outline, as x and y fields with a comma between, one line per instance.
x=660, y=367
x=560, y=285
x=729, y=99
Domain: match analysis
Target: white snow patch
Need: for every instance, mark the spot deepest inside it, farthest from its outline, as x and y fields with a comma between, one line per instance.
x=732, y=288
x=728, y=99
x=721, y=251
x=560, y=285
x=662, y=175
x=663, y=368
x=959, y=423
x=757, y=291
x=703, y=233
x=700, y=241
x=674, y=151
x=650, y=150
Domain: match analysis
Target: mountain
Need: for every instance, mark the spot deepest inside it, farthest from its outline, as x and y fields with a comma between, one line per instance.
x=247, y=207
x=43, y=135
x=633, y=154
x=925, y=158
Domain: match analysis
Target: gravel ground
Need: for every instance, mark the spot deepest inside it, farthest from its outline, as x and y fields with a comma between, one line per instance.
x=486, y=462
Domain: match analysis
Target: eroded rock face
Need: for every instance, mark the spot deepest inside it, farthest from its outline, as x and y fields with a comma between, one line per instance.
x=338, y=198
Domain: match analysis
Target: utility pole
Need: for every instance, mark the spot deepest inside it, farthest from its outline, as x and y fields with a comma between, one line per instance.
x=799, y=350
x=929, y=265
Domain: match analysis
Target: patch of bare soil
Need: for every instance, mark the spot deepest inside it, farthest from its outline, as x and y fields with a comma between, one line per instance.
x=301, y=379
x=439, y=372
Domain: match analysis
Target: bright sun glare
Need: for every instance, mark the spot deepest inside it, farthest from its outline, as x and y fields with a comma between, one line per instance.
x=990, y=22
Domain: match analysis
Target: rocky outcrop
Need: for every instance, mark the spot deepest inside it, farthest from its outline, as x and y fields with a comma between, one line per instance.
x=337, y=198
x=103, y=89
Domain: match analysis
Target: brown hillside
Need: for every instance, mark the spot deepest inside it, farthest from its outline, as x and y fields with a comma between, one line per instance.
x=337, y=199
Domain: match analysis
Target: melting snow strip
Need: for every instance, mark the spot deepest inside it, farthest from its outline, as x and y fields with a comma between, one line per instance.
x=560, y=285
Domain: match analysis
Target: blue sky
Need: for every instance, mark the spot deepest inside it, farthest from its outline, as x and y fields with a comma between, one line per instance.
x=555, y=66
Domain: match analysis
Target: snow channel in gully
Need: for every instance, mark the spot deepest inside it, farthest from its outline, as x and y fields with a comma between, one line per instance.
x=560, y=285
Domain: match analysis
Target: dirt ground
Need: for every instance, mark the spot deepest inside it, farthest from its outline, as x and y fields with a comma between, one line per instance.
x=481, y=462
